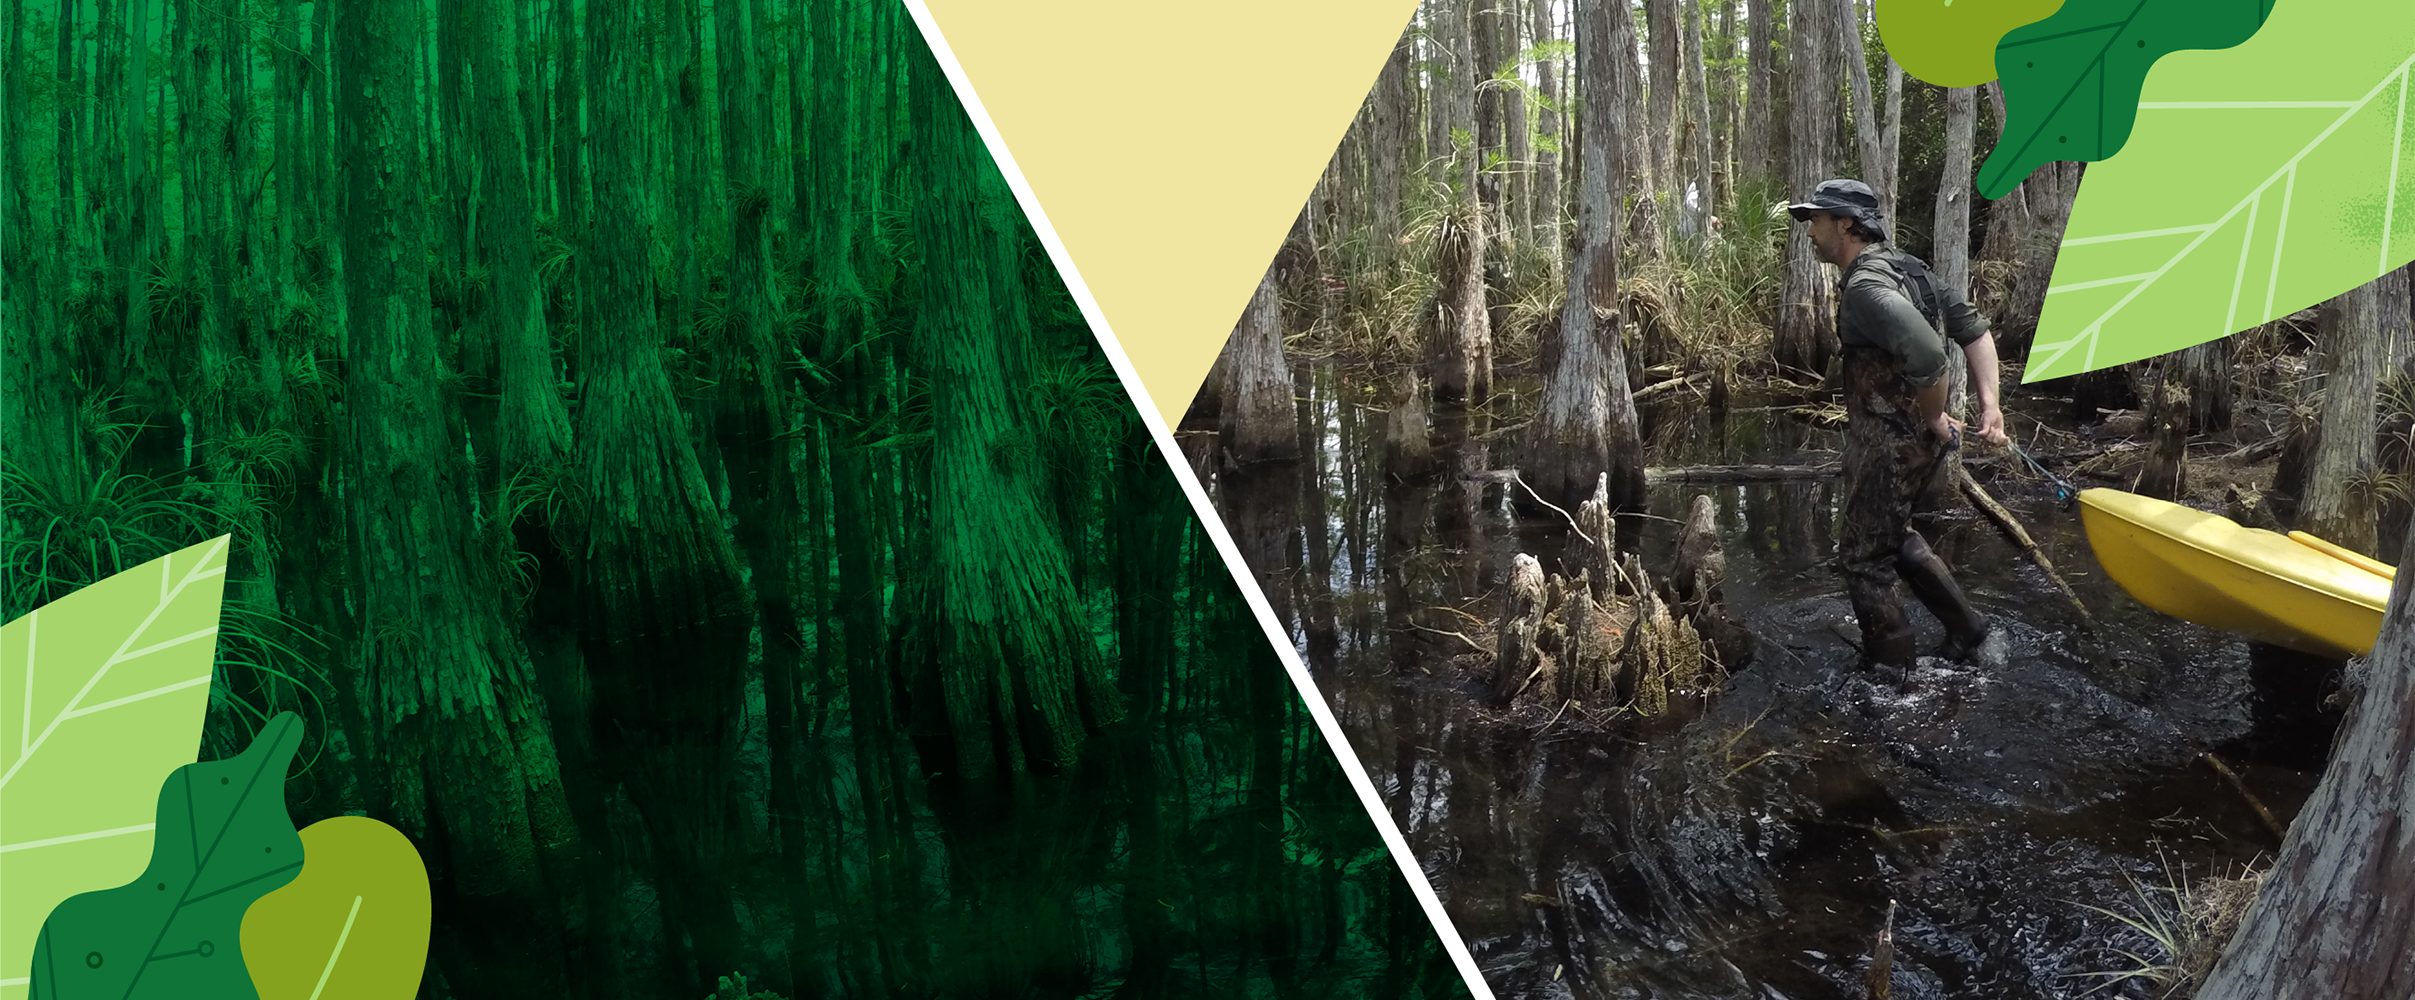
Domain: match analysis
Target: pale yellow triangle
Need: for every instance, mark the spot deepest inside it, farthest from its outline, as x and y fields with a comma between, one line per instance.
x=1171, y=145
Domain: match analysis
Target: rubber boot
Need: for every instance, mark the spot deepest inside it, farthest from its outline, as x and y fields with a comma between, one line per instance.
x=1965, y=628
x=1887, y=639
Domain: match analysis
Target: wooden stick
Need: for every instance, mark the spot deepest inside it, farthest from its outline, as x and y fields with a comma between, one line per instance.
x=2020, y=537
x=2271, y=822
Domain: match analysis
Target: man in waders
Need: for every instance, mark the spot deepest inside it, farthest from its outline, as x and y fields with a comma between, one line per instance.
x=1894, y=317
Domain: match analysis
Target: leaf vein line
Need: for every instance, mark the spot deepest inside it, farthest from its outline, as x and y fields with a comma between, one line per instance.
x=132, y=698
x=167, y=596
x=2398, y=151
x=232, y=886
x=157, y=646
x=2101, y=282
x=73, y=838
x=2247, y=240
x=2280, y=240
x=2096, y=65
x=2286, y=170
x=2241, y=105
x=2067, y=34
x=340, y=938
x=2139, y=235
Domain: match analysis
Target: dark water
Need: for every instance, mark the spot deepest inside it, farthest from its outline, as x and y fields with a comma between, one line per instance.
x=1746, y=843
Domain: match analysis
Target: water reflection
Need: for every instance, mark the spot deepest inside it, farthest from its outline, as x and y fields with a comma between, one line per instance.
x=1746, y=844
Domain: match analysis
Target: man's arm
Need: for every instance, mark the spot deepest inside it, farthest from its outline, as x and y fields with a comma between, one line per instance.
x=1981, y=354
x=1929, y=404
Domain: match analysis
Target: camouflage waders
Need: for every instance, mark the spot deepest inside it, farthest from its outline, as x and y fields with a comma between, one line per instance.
x=1890, y=462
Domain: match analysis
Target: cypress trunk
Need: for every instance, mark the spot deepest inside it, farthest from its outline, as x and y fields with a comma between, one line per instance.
x=1012, y=655
x=666, y=615
x=2339, y=501
x=2336, y=916
x=449, y=688
x=1585, y=426
x=1806, y=332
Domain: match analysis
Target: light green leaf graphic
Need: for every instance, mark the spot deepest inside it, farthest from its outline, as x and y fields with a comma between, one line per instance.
x=102, y=694
x=225, y=840
x=2072, y=81
x=2262, y=179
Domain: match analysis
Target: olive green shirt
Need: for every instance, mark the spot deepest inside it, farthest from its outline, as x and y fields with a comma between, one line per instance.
x=1879, y=307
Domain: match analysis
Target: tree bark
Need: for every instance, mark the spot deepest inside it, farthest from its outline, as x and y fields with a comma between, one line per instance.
x=1549, y=200
x=1585, y=424
x=463, y=743
x=1662, y=37
x=1752, y=147
x=533, y=425
x=1806, y=331
x=691, y=159
x=1950, y=249
x=1257, y=412
x=1010, y=646
x=1644, y=222
x=666, y=614
x=1866, y=113
x=2205, y=370
x=2336, y=917
x=1392, y=138
x=1461, y=346
x=1698, y=128
x=2339, y=502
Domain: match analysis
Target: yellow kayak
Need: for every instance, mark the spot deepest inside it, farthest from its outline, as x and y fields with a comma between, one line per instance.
x=2292, y=590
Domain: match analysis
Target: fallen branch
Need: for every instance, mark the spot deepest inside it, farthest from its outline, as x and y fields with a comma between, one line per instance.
x=2020, y=538
x=1656, y=388
x=2271, y=822
x=1740, y=473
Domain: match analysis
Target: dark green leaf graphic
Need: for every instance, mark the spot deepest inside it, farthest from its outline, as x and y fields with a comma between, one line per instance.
x=2071, y=82
x=224, y=840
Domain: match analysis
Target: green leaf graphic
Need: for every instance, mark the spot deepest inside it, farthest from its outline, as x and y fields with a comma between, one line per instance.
x=1952, y=46
x=101, y=696
x=225, y=840
x=2263, y=179
x=2071, y=82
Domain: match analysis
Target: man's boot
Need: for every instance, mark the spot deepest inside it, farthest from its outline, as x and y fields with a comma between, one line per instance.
x=1969, y=637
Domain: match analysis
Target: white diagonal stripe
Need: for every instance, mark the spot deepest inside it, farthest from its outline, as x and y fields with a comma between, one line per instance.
x=2238, y=105
x=132, y=698
x=2102, y=282
x=2140, y=235
x=2398, y=146
x=72, y=838
x=339, y=949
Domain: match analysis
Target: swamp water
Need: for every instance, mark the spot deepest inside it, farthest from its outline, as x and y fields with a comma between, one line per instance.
x=1747, y=843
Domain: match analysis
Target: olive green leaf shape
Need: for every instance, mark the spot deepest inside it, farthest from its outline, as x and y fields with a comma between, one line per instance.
x=2263, y=179
x=354, y=925
x=225, y=840
x=2071, y=82
x=102, y=694
x=1947, y=45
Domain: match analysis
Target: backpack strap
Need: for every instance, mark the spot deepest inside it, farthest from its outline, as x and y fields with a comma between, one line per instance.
x=1913, y=275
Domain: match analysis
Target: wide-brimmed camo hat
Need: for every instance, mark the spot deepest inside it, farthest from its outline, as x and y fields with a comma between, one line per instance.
x=1843, y=196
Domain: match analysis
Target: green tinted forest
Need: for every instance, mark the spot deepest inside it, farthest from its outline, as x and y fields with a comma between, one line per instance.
x=669, y=477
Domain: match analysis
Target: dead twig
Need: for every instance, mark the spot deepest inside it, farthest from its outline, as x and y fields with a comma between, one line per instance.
x=2271, y=822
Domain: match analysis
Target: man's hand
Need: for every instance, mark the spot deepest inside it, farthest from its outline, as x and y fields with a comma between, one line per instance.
x=1991, y=427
